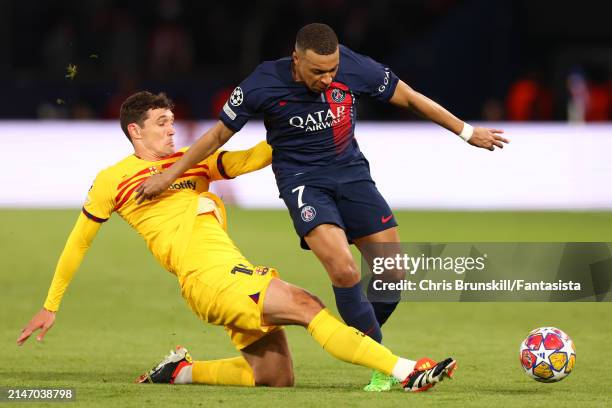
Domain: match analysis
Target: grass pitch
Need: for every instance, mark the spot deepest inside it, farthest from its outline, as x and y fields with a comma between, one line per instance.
x=122, y=313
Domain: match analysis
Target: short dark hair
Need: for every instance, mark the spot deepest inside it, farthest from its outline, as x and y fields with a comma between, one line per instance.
x=317, y=37
x=134, y=108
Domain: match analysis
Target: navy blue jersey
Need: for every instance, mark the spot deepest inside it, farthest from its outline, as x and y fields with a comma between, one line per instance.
x=307, y=129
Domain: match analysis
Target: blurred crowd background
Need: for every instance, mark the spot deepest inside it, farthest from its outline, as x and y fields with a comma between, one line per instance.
x=520, y=60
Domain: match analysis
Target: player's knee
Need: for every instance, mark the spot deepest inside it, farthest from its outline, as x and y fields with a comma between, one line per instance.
x=276, y=382
x=342, y=269
x=277, y=376
x=289, y=380
x=344, y=274
x=285, y=380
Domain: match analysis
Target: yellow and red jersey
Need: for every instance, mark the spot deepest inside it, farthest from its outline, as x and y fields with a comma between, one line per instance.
x=165, y=222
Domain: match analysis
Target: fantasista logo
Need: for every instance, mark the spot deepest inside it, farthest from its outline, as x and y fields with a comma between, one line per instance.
x=320, y=120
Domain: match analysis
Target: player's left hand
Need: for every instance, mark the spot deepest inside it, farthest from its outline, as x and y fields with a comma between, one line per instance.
x=152, y=187
x=488, y=138
x=42, y=320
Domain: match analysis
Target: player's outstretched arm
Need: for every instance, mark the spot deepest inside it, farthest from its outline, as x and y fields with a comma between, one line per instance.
x=486, y=138
x=236, y=163
x=206, y=145
x=77, y=245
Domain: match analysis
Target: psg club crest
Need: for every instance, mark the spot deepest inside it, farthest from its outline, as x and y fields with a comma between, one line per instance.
x=338, y=95
x=236, y=97
x=308, y=213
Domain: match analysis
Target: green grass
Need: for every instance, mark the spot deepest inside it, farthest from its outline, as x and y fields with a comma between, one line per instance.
x=122, y=313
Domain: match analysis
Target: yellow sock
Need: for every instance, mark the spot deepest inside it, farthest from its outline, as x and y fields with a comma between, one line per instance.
x=229, y=371
x=349, y=344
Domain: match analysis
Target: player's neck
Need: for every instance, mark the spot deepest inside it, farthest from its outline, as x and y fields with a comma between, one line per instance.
x=295, y=74
x=147, y=155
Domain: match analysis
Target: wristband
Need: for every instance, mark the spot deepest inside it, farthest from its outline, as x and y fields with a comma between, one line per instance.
x=467, y=131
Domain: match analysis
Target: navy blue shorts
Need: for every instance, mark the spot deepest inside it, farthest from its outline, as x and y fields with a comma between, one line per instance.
x=343, y=194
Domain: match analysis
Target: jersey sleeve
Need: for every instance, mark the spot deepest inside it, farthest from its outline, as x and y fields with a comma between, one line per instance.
x=214, y=163
x=367, y=76
x=231, y=164
x=242, y=104
x=97, y=209
x=100, y=201
x=78, y=243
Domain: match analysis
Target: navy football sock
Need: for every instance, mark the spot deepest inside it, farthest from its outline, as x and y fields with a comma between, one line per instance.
x=383, y=310
x=384, y=302
x=357, y=311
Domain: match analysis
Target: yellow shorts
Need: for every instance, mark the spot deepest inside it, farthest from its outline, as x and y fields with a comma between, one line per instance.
x=221, y=286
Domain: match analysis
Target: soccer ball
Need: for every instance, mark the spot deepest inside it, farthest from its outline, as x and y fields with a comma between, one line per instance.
x=547, y=354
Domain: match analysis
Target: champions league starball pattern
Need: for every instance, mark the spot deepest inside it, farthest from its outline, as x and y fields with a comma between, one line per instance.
x=547, y=354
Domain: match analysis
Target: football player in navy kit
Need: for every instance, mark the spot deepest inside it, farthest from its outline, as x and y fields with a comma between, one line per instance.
x=308, y=102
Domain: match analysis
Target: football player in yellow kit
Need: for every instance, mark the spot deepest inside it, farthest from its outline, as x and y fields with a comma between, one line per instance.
x=185, y=229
